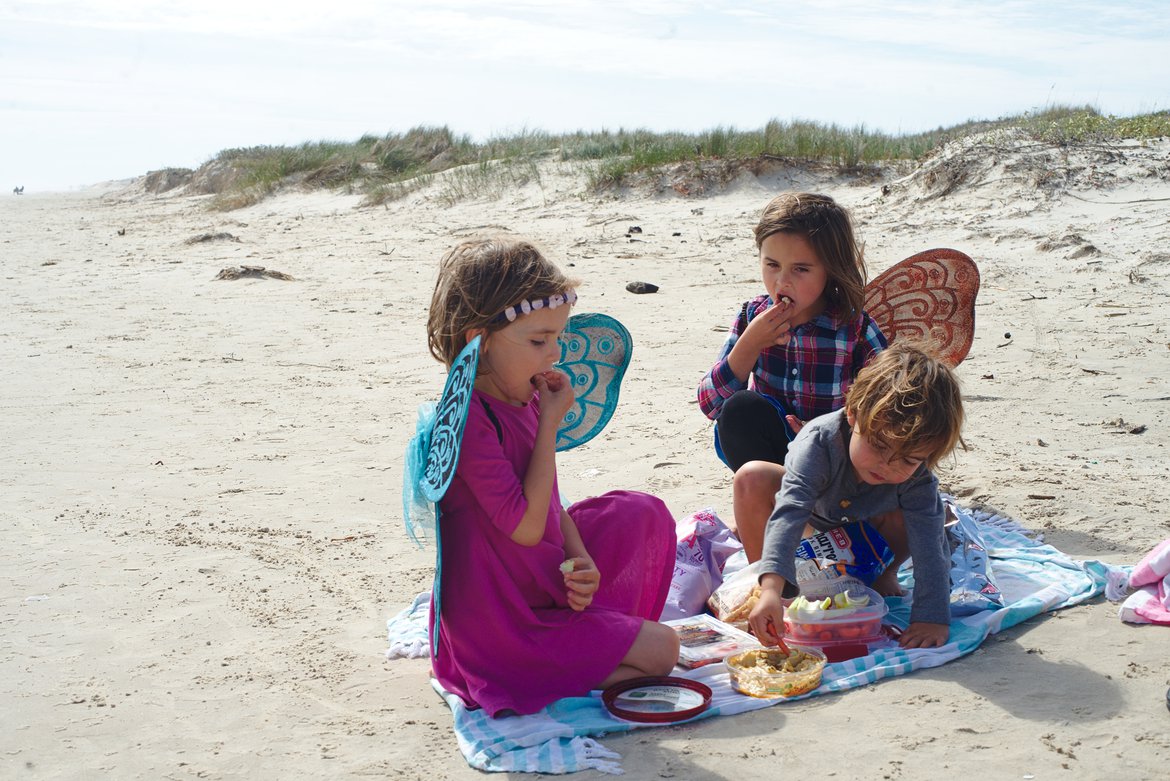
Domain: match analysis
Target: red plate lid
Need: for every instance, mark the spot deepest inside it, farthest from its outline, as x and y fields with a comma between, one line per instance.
x=657, y=699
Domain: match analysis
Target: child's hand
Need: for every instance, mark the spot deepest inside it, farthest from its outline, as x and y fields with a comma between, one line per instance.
x=924, y=635
x=767, y=617
x=582, y=582
x=794, y=423
x=772, y=326
x=556, y=393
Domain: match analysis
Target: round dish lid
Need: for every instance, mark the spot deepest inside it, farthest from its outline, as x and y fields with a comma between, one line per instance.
x=657, y=699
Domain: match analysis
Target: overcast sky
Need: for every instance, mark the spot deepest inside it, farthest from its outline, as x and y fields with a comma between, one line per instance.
x=93, y=90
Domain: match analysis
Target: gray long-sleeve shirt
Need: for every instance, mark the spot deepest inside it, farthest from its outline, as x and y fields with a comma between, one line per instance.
x=821, y=488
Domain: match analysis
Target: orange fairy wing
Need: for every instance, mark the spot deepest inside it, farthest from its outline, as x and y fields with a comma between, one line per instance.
x=929, y=296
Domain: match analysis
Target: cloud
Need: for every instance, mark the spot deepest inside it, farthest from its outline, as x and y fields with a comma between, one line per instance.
x=710, y=43
x=241, y=73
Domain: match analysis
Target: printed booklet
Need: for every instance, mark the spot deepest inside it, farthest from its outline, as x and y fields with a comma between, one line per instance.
x=704, y=639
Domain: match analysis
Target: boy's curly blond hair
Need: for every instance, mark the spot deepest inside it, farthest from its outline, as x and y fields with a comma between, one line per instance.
x=908, y=399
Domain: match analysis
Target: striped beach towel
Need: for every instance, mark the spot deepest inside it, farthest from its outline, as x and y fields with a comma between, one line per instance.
x=1034, y=578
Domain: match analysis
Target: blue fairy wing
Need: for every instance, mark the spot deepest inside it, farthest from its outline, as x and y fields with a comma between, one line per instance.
x=431, y=457
x=433, y=453
x=417, y=510
x=595, y=351
x=450, y=418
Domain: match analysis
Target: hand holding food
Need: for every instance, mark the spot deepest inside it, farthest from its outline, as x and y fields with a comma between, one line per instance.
x=771, y=326
x=556, y=393
x=581, y=581
x=786, y=305
x=767, y=617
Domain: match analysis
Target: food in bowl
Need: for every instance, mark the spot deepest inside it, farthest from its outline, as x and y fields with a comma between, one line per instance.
x=852, y=616
x=770, y=672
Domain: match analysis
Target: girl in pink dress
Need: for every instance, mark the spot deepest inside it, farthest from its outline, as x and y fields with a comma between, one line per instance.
x=518, y=631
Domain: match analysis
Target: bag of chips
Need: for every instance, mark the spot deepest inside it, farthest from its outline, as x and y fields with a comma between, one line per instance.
x=704, y=544
x=972, y=587
x=855, y=551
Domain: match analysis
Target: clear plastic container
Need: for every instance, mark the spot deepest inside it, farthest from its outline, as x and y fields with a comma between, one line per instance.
x=836, y=626
x=759, y=672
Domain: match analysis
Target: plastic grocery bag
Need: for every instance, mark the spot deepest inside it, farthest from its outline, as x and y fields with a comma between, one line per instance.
x=972, y=587
x=704, y=544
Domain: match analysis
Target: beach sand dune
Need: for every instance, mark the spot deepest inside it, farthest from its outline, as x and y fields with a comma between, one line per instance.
x=202, y=478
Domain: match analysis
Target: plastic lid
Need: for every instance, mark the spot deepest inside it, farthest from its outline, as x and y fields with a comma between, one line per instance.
x=657, y=699
x=875, y=608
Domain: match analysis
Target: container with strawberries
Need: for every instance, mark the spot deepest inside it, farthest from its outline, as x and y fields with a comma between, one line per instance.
x=843, y=625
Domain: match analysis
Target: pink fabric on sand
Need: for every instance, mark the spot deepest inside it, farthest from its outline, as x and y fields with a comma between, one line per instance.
x=1150, y=602
x=508, y=640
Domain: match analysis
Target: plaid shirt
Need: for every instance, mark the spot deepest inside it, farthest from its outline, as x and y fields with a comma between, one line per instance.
x=809, y=375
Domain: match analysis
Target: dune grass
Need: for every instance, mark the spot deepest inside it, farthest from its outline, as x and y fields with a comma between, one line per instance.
x=392, y=166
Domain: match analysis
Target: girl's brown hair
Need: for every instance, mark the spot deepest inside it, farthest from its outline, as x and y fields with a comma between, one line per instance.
x=827, y=227
x=908, y=399
x=478, y=280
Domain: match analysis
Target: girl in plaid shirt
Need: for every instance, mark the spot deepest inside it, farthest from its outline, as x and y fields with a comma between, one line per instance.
x=792, y=352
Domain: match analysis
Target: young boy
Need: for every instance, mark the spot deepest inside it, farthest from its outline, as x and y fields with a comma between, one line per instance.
x=872, y=461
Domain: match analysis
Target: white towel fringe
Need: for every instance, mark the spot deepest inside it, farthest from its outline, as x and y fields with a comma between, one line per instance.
x=594, y=755
x=1005, y=523
x=414, y=649
x=407, y=631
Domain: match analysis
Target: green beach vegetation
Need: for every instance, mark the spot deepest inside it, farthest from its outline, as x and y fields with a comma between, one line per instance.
x=392, y=166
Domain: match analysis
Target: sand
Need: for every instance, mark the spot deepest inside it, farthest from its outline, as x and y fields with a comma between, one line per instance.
x=201, y=478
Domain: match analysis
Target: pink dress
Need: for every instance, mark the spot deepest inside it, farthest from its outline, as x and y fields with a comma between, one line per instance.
x=508, y=639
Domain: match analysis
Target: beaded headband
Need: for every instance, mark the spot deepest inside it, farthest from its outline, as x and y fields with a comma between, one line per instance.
x=525, y=307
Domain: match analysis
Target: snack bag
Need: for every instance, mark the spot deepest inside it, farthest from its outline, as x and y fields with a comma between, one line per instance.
x=704, y=544
x=854, y=550
x=735, y=598
x=972, y=587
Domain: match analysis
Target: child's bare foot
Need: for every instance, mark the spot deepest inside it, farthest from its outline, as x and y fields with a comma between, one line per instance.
x=886, y=584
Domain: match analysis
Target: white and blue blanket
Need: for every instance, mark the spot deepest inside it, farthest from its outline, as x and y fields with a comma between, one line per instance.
x=1033, y=577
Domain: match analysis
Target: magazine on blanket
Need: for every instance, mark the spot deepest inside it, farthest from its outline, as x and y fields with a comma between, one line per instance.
x=704, y=639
